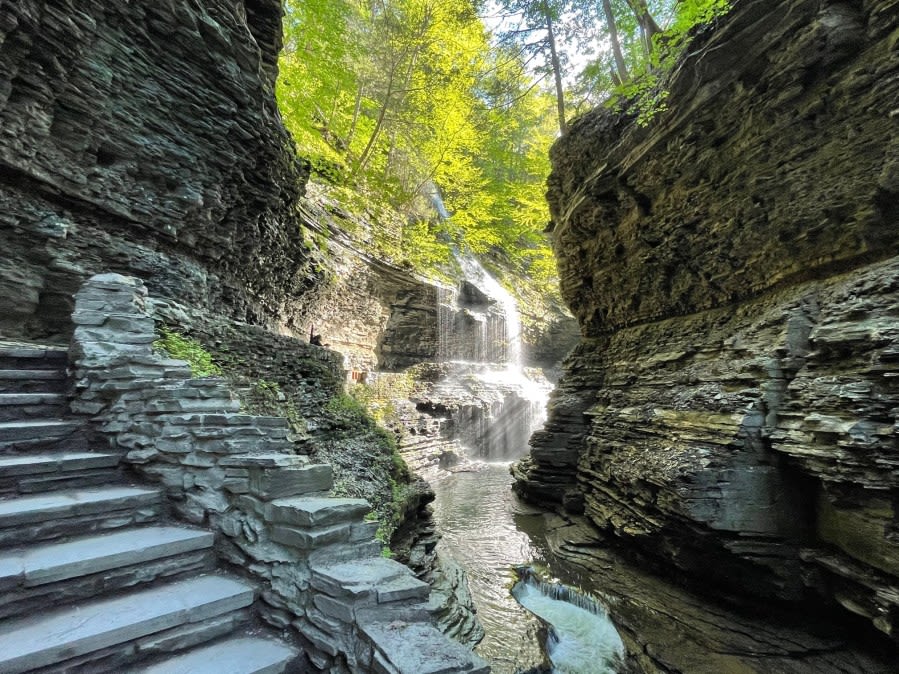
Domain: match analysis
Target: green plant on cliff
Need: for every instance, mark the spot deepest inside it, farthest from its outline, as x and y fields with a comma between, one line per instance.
x=184, y=348
x=366, y=461
x=645, y=94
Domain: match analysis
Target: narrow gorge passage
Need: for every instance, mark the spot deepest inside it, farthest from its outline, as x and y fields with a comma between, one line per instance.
x=483, y=524
x=256, y=296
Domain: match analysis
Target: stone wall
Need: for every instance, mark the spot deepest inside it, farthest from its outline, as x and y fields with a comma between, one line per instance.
x=246, y=478
x=145, y=139
x=730, y=415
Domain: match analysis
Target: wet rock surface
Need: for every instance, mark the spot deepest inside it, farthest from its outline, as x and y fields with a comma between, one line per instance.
x=729, y=417
x=667, y=628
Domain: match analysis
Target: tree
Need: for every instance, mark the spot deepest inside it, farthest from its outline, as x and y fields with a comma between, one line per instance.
x=648, y=26
x=394, y=99
x=541, y=16
x=318, y=70
x=622, y=71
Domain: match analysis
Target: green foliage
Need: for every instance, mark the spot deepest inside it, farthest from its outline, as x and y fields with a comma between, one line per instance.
x=366, y=459
x=392, y=99
x=396, y=100
x=183, y=348
x=645, y=94
x=346, y=411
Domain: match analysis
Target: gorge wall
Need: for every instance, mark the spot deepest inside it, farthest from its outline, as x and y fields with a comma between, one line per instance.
x=729, y=416
x=145, y=139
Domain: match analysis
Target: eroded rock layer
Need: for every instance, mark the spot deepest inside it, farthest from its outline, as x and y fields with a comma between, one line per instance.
x=731, y=414
x=144, y=138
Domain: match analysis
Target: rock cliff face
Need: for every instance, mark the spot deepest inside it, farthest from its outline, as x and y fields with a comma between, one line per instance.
x=730, y=414
x=145, y=139
x=387, y=318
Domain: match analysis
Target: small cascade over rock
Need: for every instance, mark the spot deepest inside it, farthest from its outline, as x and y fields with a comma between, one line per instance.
x=580, y=636
x=490, y=403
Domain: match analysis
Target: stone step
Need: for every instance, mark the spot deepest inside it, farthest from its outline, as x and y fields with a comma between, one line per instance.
x=20, y=406
x=32, y=381
x=316, y=512
x=418, y=648
x=41, y=435
x=47, y=575
x=32, y=356
x=75, y=512
x=339, y=553
x=53, y=562
x=29, y=473
x=238, y=655
x=73, y=442
x=367, y=577
x=37, y=429
x=66, y=634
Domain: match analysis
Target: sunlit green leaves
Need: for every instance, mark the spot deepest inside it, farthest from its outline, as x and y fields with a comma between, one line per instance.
x=404, y=95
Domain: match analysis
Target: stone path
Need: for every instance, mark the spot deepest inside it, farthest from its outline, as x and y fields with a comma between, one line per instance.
x=91, y=580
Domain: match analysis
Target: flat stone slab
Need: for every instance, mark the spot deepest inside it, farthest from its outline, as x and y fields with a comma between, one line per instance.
x=416, y=648
x=356, y=577
x=316, y=511
x=55, y=463
x=264, y=460
x=39, y=508
x=94, y=554
x=243, y=655
x=25, y=350
x=307, y=539
x=23, y=430
x=18, y=375
x=46, y=639
x=403, y=588
x=275, y=483
x=24, y=399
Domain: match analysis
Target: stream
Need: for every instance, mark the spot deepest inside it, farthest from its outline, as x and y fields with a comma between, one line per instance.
x=496, y=405
x=486, y=528
x=473, y=512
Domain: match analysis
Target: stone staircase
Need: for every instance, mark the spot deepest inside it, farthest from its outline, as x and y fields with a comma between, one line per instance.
x=92, y=578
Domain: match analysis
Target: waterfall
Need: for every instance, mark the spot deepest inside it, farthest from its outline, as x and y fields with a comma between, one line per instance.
x=480, y=346
x=581, y=637
x=446, y=303
x=505, y=329
x=433, y=194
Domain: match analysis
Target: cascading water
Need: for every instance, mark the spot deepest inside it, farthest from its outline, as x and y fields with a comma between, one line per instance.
x=479, y=345
x=492, y=405
x=581, y=638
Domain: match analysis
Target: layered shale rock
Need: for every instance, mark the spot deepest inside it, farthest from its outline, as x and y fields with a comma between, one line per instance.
x=730, y=414
x=144, y=138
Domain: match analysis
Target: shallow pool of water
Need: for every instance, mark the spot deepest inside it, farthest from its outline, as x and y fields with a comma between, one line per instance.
x=474, y=511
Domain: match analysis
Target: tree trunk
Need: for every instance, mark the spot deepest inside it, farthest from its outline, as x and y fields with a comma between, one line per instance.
x=357, y=108
x=557, y=73
x=382, y=113
x=648, y=26
x=330, y=121
x=623, y=75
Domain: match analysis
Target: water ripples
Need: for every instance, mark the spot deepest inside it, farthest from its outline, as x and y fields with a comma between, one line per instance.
x=474, y=513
